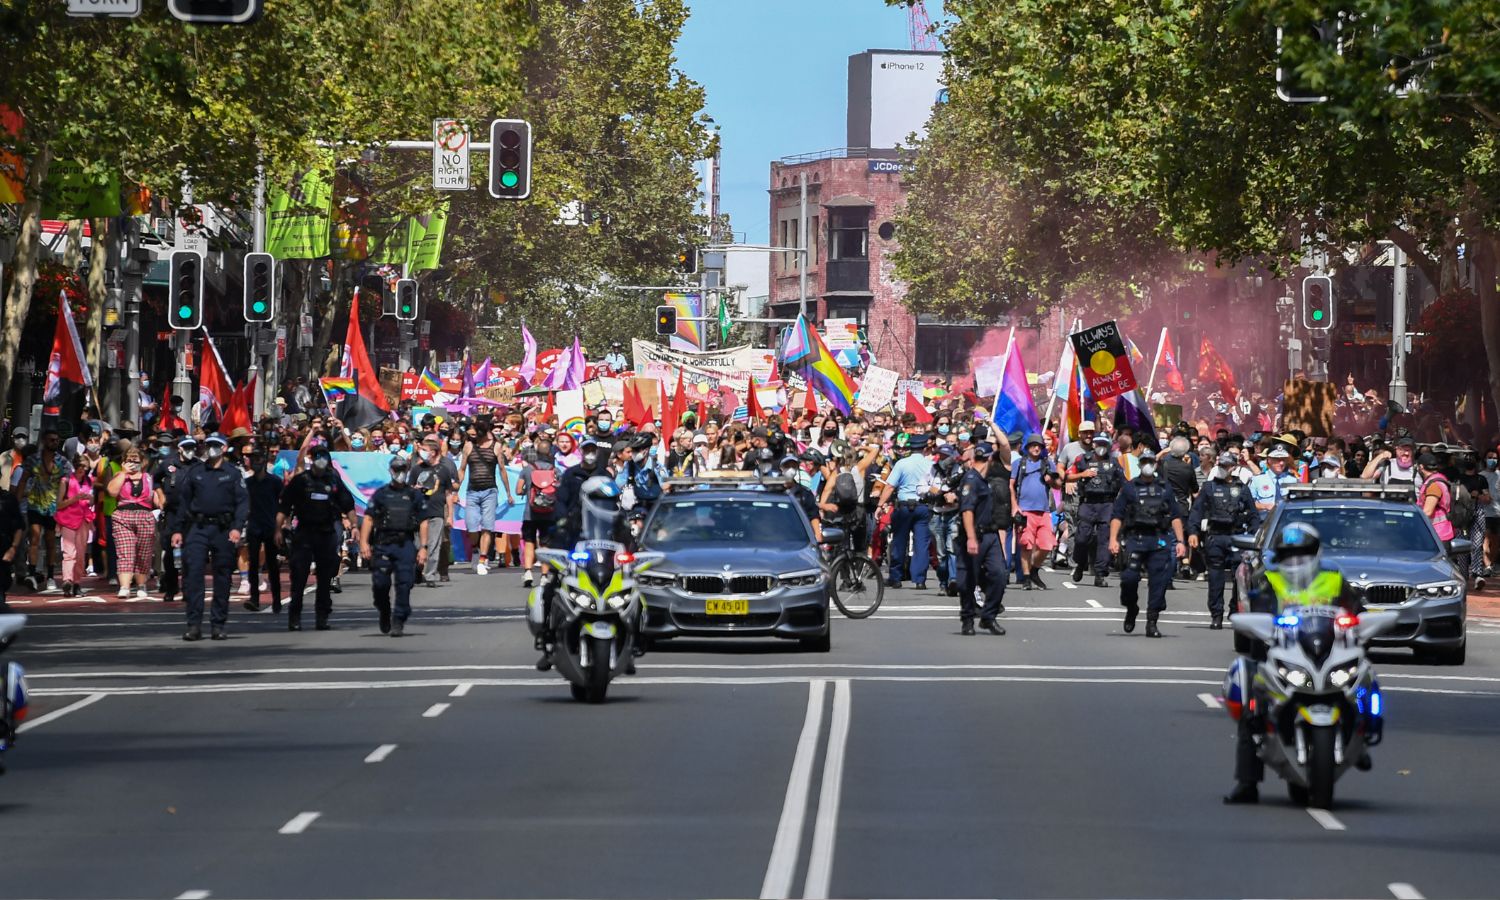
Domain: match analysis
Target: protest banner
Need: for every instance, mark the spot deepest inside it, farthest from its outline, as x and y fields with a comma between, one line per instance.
x=1307, y=406
x=1105, y=362
x=876, y=390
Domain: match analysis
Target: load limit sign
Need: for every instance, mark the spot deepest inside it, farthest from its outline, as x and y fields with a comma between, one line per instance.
x=450, y=155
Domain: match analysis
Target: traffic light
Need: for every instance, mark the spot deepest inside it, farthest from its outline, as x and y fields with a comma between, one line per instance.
x=375, y=285
x=260, y=287
x=666, y=320
x=216, y=12
x=510, y=159
x=406, y=299
x=687, y=261
x=1317, y=303
x=185, y=287
x=1298, y=46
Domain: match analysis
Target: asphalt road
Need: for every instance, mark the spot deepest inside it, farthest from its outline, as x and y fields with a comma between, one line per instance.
x=1066, y=759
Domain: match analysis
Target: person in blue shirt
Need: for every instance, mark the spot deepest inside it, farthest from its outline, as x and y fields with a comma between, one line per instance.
x=1267, y=488
x=1035, y=476
x=909, y=481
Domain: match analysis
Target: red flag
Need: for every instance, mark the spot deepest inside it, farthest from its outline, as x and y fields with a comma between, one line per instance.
x=1169, y=361
x=700, y=414
x=635, y=410
x=810, y=401
x=672, y=414
x=753, y=411
x=1212, y=367
x=66, y=362
x=215, y=390
x=366, y=405
x=915, y=407
x=547, y=411
x=236, y=422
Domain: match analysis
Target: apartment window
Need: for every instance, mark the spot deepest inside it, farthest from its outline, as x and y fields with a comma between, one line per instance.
x=849, y=233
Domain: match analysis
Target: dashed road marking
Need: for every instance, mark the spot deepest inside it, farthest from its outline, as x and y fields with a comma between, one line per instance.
x=461, y=690
x=1403, y=891
x=435, y=710
x=1210, y=701
x=380, y=753
x=59, y=713
x=1094, y=603
x=299, y=823
x=1327, y=819
x=195, y=895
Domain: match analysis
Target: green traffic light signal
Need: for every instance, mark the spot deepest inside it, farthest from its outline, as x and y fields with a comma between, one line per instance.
x=1317, y=315
x=184, y=312
x=510, y=179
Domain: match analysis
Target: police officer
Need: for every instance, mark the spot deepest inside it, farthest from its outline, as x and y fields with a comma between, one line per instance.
x=1147, y=514
x=396, y=521
x=1266, y=489
x=168, y=477
x=1100, y=479
x=212, y=508
x=318, y=499
x=985, y=514
x=1222, y=510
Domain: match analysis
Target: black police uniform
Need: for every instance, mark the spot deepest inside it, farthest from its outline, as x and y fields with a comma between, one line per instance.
x=569, y=524
x=260, y=536
x=212, y=502
x=319, y=501
x=1145, y=509
x=988, y=498
x=396, y=512
x=1222, y=510
x=1096, y=499
x=168, y=475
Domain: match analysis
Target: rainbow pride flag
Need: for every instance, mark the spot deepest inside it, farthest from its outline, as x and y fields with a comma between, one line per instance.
x=803, y=351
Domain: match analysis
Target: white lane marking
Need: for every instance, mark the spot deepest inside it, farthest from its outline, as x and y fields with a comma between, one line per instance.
x=461, y=690
x=1209, y=700
x=435, y=710
x=380, y=753
x=784, y=850
x=175, y=673
x=195, y=895
x=1403, y=891
x=299, y=823
x=1070, y=585
x=825, y=829
x=1094, y=603
x=1325, y=818
x=59, y=713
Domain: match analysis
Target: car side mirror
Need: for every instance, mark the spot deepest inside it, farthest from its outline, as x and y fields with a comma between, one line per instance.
x=1460, y=547
x=833, y=535
x=1243, y=542
x=1257, y=626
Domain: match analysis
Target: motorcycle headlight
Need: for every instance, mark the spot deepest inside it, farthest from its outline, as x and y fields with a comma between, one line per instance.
x=1293, y=675
x=584, y=601
x=1439, y=590
x=1340, y=677
x=801, y=579
x=618, y=601
x=653, y=580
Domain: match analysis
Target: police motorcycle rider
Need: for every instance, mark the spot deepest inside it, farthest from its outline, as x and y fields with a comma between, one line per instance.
x=1222, y=510
x=1147, y=515
x=1100, y=479
x=1297, y=576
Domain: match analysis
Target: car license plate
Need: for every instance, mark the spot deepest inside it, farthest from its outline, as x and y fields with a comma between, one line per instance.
x=726, y=607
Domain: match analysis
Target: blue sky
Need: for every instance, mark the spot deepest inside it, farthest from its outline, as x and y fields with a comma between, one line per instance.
x=776, y=73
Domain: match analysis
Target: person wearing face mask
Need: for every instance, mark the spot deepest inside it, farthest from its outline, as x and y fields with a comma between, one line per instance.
x=261, y=540
x=75, y=517
x=133, y=526
x=1399, y=465
x=433, y=479
x=1146, y=515
x=570, y=493
x=481, y=465
x=604, y=425
x=1099, y=480
x=213, y=507
x=1222, y=510
x=12, y=457
x=317, y=499
x=375, y=443
x=167, y=476
x=393, y=539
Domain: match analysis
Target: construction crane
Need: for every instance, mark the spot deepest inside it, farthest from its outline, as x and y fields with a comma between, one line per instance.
x=920, y=27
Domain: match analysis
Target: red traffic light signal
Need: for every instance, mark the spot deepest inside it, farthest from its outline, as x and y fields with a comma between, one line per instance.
x=666, y=320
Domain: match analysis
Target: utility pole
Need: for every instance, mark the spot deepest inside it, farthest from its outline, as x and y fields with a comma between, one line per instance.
x=802, y=233
x=1398, y=331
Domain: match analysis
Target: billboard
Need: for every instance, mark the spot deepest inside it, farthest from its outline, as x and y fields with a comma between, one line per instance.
x=891, y=95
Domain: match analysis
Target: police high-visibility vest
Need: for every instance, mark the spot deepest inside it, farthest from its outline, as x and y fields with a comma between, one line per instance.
x=1324, y=590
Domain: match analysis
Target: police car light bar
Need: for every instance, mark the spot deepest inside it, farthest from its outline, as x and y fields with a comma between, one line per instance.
x=727, y=480
x=1351, y=488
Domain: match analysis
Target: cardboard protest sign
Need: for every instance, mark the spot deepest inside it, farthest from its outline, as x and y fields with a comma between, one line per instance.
x=1307, y=406
x=1105, y=362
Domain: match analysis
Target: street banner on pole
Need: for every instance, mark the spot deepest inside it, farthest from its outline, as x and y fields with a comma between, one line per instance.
x=298, y=217
x=450, y=155
x=1104, y=359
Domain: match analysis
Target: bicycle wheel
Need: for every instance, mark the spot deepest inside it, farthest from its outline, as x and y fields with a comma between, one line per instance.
x=857, y=586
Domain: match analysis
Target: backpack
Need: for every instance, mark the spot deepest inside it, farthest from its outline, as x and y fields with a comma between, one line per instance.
x=1461, y=508
x=846, y=492
x=544, y=490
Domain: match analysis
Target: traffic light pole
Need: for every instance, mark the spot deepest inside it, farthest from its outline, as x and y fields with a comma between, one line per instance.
x=1398, y=331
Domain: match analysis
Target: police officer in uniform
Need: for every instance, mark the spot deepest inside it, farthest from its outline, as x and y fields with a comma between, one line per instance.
x=393, y=539
x=1147, y=514
x=167, y=477
x=212, y=508
x=985, y=515
x=1100, y=480
x=318, y=499
x=1222, y=510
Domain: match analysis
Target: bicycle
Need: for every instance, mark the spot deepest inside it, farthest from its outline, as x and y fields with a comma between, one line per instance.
x=858, y=586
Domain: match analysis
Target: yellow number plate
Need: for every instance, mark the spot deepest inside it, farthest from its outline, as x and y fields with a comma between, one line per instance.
x=726, y=607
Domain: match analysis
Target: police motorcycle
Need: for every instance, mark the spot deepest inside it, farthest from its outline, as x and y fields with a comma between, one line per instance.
x=587, y=611
x=13, y=692
x=1315, y=699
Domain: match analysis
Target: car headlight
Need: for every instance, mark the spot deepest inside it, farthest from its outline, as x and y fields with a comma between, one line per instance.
x=801, y=579
x=1341, y=677
x=1293, y=675
x=652, y=580
x=1439, y=590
